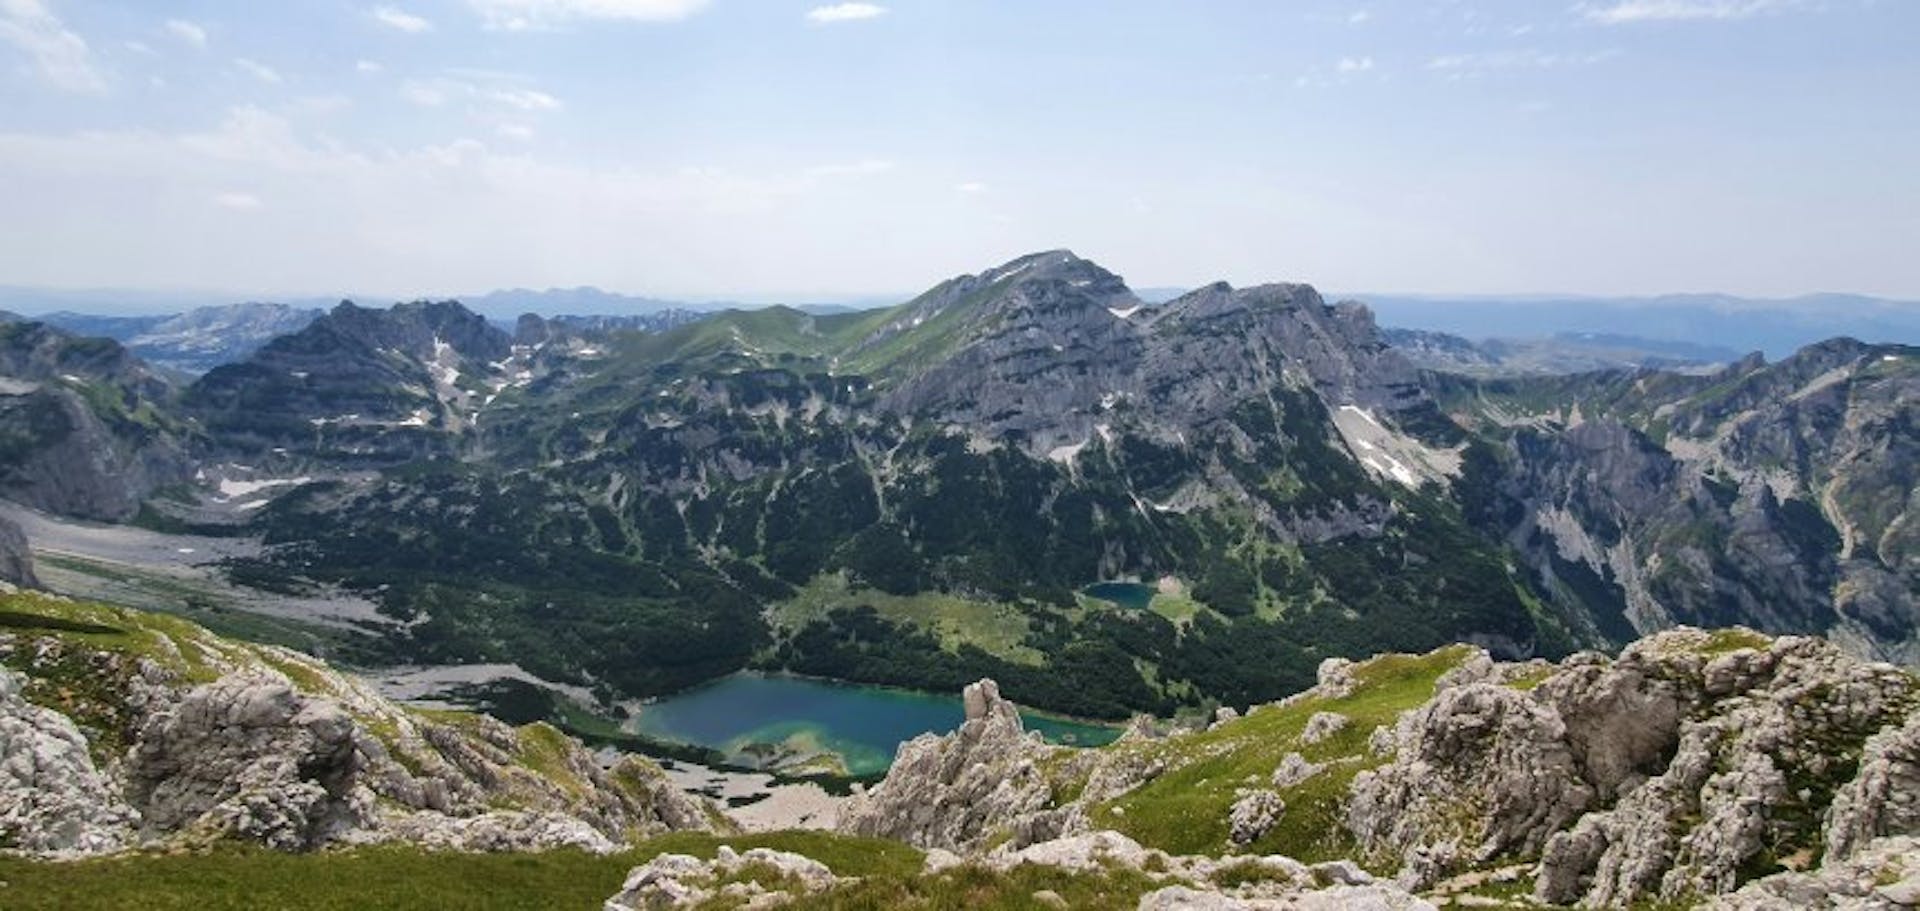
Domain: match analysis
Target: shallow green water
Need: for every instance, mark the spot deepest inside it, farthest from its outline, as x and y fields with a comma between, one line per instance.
x=863, y=724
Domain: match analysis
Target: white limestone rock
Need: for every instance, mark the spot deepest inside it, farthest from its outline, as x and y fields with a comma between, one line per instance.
x=958, y=791
x=53, y=801
x=680, y=881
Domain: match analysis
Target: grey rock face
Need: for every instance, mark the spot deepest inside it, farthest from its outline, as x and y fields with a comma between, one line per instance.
x=1882, y=875
x=1883, y=798
x=248, y=757
x=954, y=792
x=251, y=756
x=1765, y=731
x=1771, y=495
x=1666, y=773
x=1253, y=815
x=88, y=434
x=1479, y=771
x=16, y=558
x=78, y=463
x=53, y=802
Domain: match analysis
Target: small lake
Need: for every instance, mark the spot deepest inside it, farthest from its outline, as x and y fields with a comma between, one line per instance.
x=1129, y=595
x=752, y=717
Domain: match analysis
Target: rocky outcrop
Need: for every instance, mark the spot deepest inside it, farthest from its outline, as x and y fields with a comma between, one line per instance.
x=1883, y=875
x=1683, y=768
x=280, y=750
x=1238, y=883
x=16, y=556
x=1481, y=771
x=1883, y=798
x=756, y=878
x=249, y=757
x=53, y=802
x=954, y=792
x=1253, y=815
x=1770, y=732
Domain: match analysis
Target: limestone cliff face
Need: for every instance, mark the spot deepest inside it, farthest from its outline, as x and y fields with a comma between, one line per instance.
x=84, y=426
x=1052, y=351
x=1772, y=495
x=182, y=736
x=957, y=791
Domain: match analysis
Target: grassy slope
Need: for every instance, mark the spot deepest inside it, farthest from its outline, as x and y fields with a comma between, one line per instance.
x=1185, y=810
x=998, y=629
x=403, y=879
x=394, y=878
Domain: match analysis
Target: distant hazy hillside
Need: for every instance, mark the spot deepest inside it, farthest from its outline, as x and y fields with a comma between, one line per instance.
x=1775, y=327
x=195, y=341
x=1568, y=352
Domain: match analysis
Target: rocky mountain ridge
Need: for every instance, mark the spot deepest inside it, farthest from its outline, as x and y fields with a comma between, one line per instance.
x=1772, y=494
x=86, y=428
x=1285, y=484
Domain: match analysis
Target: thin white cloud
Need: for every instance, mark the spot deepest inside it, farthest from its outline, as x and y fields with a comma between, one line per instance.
x=1359, y=17
x=139, y=47
x=400, y=20
x=55, y=53
x=525, y=15
x=424, y=94
x=845, y=12
x=259, y=70
x=454, y=215
x=518, y=132
x=238, y=202
x=1682, y=10
x=1628, y=11
x=971, y=188
x=431, y=93
x=190, y=32
x=524, y=99
x=367, y=66
x=852, y=168
x=1354, y=64
x=1461, y=64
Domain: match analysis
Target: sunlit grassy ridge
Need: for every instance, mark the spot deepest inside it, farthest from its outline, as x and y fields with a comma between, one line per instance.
x=1185, y=810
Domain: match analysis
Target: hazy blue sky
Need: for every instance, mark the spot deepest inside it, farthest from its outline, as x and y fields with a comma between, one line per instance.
x=765, y=148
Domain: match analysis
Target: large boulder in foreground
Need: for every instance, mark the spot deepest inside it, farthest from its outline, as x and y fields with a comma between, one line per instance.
x=1690, y=765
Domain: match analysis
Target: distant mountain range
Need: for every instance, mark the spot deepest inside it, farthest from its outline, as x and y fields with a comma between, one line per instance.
x=1774, y=327
x=195, y=341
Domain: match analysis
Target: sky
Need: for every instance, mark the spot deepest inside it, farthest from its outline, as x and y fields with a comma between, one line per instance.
x=774, y=150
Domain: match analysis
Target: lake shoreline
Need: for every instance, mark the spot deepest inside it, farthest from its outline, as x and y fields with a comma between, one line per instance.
x=803, y=726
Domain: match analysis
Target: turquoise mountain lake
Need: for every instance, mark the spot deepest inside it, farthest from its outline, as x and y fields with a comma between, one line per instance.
x=745, y=713
x=1129, y=595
